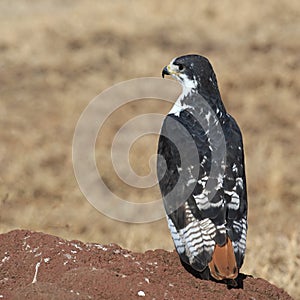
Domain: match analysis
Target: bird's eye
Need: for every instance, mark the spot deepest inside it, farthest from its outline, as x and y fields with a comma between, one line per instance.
x=180, y=67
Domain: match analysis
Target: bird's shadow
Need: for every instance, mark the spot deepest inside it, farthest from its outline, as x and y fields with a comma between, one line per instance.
x=237, y=283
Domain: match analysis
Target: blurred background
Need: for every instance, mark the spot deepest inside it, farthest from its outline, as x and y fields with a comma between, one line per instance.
x=57, y=55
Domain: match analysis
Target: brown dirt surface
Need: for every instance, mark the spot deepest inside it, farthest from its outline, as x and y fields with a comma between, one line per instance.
x=56, y=55
x=41, y=266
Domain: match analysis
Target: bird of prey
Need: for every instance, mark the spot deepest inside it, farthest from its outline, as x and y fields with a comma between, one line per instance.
x=201, y=174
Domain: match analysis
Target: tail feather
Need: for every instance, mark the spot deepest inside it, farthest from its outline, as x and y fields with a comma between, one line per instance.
x=223, y=264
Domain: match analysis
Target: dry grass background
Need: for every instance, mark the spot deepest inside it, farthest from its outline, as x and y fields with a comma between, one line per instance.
x=57, y=55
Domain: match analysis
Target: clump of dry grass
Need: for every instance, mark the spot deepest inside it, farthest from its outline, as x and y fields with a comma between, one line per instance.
x=57, y=55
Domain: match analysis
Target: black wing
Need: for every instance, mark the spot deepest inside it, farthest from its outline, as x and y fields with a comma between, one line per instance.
x=202, y=209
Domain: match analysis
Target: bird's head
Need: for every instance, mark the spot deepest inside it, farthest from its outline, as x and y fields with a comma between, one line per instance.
x=194, y=72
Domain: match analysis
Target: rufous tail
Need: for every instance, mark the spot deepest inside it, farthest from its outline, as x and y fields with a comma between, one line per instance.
x=223, y=263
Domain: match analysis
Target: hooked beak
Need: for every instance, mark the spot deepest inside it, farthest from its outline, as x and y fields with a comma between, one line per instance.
x=165, y=71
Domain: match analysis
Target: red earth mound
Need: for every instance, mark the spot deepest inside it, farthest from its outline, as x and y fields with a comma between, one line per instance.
x=35, y=265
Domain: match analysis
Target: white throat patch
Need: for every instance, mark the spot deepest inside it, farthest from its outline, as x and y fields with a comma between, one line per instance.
x=188, y=86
